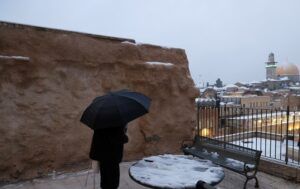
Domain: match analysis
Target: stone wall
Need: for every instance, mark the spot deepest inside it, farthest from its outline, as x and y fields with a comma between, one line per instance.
x=48, y=77
x=279, y=169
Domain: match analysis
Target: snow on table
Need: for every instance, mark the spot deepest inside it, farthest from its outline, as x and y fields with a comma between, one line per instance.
x=175, y=171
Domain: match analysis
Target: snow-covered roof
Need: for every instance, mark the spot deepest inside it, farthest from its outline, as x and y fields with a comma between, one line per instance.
x=271, y=79
x=205, y=102
x=219, y=88
x=255, y=82
x=284, y=78
x=231, y=86
x=294, y=88
x=213, y=87
x=241, y=82
x=263, y=115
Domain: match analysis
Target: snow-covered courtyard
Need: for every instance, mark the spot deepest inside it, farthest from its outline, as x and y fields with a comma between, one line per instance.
x=271, y=148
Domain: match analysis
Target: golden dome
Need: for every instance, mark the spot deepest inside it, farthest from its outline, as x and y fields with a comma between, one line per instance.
x=280, y=70
x=289, y=69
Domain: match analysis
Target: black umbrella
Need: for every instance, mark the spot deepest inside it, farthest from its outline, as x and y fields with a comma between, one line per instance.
x=115, y=109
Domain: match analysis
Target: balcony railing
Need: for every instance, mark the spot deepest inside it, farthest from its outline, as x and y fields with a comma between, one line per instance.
x=275, y=132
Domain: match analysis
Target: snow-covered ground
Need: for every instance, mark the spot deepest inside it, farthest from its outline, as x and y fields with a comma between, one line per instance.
x=270, y=148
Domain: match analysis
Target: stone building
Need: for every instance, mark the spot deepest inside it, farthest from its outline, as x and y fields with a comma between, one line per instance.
x=289, y=71
x=248, y=101
x=271, y=67
x=253, y=101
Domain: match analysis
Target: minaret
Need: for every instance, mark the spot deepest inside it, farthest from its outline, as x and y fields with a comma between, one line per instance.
x=271, y=67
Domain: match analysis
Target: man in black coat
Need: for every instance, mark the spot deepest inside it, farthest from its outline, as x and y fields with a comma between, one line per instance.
x=107, y=148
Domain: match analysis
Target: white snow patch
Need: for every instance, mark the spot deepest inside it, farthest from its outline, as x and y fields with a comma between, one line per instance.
x=284, y=78
x=205, y=152
x=244, y=88
x=270, y=148
x=164, y=47
x=160, y=63
x=266, y=115
x=128, y=42
x=295, y=88
x=255, y=82
x=214, y=155
x=15, y=57
x=230, y=86
x=204, y=100
x=175, y=171
x=235, y=163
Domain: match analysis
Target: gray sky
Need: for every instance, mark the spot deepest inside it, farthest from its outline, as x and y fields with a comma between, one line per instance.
x=227, y=39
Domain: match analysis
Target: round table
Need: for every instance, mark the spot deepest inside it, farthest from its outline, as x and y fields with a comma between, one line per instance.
x=175, y=171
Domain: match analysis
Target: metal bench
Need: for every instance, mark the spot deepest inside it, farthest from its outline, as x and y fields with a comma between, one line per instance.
x=239, y=159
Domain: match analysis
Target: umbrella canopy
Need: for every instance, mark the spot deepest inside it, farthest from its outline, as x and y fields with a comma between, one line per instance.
x=115, y=109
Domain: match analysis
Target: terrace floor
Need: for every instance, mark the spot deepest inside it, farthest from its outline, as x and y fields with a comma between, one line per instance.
x=77, y=181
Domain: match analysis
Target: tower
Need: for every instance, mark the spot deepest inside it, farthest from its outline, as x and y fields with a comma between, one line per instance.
x=271, y=67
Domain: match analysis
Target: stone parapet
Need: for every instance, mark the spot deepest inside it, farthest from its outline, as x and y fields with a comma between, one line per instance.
x=279, y=169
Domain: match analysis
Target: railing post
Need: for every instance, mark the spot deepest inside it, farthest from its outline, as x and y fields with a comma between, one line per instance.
x=198, y=119
x=219, y=116
x=224, y=126
x=287, y=132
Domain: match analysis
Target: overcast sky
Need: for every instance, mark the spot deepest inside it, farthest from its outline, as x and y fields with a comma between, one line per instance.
x=227, y=39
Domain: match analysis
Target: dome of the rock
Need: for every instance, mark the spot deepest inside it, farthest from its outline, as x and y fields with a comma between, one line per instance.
x=289, y=69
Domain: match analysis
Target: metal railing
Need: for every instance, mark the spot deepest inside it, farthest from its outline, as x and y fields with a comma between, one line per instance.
x=275, y=132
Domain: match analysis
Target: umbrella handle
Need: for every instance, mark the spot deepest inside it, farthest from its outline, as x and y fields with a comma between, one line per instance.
x=94, y=180
x=87, y=177
x=86, y=180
